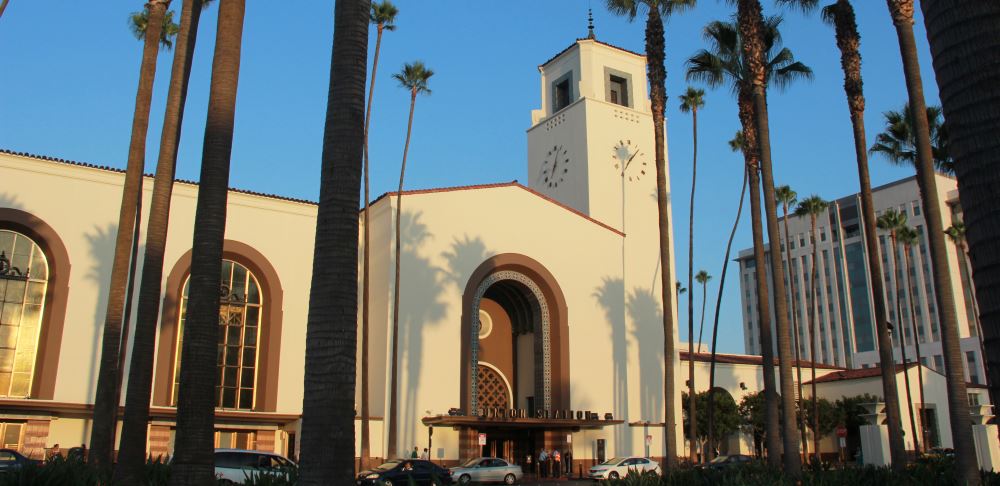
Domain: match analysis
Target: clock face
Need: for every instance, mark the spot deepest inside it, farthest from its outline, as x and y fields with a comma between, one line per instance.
x=629, y=162
x=555, y=166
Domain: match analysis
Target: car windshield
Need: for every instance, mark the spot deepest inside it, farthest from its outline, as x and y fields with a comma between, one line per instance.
x=719, y=459
x=613, y=461
x=388, y=465
x=471, y=462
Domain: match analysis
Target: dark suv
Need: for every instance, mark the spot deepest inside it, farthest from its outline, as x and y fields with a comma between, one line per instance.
x=398, y=472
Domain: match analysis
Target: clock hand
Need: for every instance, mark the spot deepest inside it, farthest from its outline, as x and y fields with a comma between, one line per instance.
x=629, y=161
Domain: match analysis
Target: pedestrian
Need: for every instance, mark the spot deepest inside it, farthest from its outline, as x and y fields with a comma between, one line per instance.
x=568, y=461
x=527, y=464
x=543, y=461
x=414, y=454
x=556, y=463
x=425, y=455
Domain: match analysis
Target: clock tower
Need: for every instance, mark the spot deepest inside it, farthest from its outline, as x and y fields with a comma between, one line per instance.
x=591, y=147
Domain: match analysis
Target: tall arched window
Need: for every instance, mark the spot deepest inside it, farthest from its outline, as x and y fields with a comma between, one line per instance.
x=24, y=275
x=239, y=333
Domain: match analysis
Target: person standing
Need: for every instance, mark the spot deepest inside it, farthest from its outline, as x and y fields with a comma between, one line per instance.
x=556, y=463
x=414, y=455
x=543, y=461
x=425, y=455
x=568, y=461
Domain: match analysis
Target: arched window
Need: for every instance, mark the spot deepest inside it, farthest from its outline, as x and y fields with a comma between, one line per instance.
x=239, y=333
x=24, y=275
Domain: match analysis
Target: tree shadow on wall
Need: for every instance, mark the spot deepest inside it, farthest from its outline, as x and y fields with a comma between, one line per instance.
x=611, y=297
x=647, y=330
x=465, y=256
x=421, y=307
x=9, y=201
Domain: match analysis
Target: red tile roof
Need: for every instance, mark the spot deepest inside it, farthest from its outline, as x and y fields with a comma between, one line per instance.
x=564, y=51
x=857, y=374
x=748, y=359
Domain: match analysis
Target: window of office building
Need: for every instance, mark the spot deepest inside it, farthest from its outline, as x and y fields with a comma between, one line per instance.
x=970, y=360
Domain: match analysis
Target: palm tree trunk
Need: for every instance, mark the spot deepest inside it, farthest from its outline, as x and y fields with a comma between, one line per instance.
x=327, y=442
x=964, y=248
x=704, y=302
x=902, y=338
x=103, y=435
x=693, y=422
x=3, y=6
x=958, y=400
x=750, y=19
x=916, y=346
x=795, y=332
x=365, y=269
x=193, y=461
x=813, y=277
x=655, y=53
x=963, y=38
x=105, y=403
x=751, y=156
x=715, y=324
x=393, y=393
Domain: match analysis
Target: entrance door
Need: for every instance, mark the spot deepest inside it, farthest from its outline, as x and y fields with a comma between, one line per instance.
x=512, y=445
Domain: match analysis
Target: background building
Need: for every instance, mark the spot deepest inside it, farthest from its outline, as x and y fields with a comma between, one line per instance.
x=844, y=309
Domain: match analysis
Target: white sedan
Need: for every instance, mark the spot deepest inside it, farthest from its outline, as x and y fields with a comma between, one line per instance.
x=619, y=467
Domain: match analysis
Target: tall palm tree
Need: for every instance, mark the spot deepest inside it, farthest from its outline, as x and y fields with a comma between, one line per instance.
x=3, y=6
x=195, y=438
x=655, y=58
x=691, y=101
x=787, y=197
x=383, y=17
x=909, y=237
x=413, y=77
x=721, y=64
x=973, y=111
x=813, y=206
x=702, y=277
x=892, y=221
x=328, y=400
x=901, y=12
x=151, y=32
x=736, y=145
x=898, y=142
x=102, y=437
x=841, y=15
x=956, y=233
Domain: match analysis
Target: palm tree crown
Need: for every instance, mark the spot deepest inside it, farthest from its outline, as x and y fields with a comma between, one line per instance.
x=891, y=220
x=384, y=14
x=414, y=77
x=898, y=142
x=693, y=99
x=907, y=235
x=956, y=233
x=786, y=196
x=723, y=62
x=811, y=206
x=630, y=8
x=702, y=277
x=138, y=21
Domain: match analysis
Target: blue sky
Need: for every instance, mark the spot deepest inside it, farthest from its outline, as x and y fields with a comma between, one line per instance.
x=70, y=70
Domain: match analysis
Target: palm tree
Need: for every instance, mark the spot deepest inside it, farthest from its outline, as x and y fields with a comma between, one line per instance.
x=195, y=437
x=956, y=233
x=787, y=197
x=898, y=142
x=152, y=35
x=3, y=6
x=691, y=101
x=892, y=221
x=967, y=469
x=736, y=144
x=841, y=15
x=102, y=438
x=138, y=23
x=973, y=112
x=812, y=207
x=909, y=237
x=724, y=63
x=655, y=58
x=383, y=16
x=413, y=77
x=331, y=334
x=702, y=277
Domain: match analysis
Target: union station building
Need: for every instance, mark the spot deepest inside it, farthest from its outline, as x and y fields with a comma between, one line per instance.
x=536, y=323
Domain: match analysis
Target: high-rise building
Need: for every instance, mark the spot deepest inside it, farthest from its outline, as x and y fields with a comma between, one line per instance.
x=845, y=328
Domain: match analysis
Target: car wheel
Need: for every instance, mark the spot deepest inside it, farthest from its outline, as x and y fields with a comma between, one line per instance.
x=464, y=479
x=387, y=482
x=509, y=479
x=613, y=475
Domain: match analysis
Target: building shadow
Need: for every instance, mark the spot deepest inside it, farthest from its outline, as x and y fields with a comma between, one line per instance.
x=647, y=330
x=421, y=307
x=611, y=297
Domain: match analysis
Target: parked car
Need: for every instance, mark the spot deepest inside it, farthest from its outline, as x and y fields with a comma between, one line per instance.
x=723, y=462
x=398, y=472
x=487, y=470
x=11, y=460
x=619, y=467
x=234, y=466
